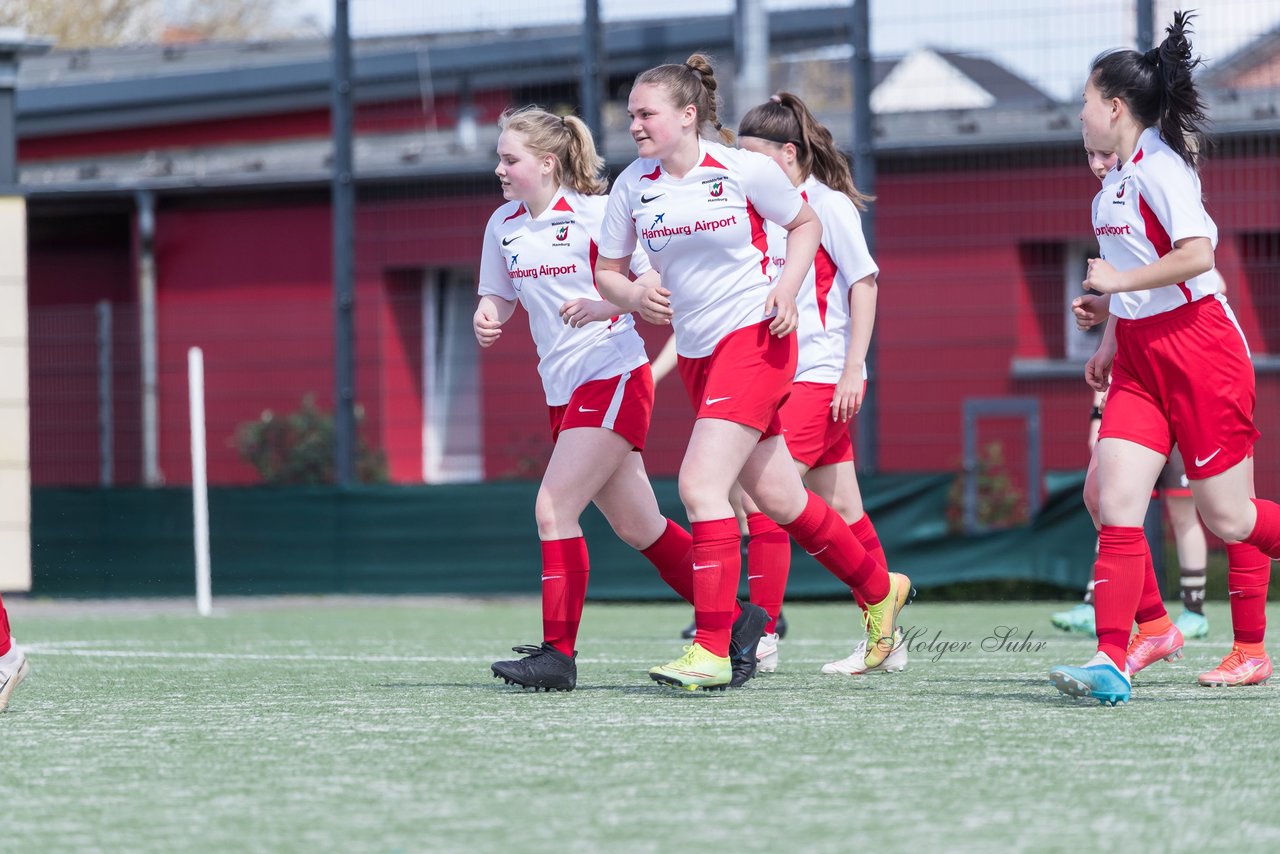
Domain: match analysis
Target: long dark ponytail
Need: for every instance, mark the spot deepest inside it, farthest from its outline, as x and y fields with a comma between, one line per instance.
x=1158, y=87
x=785, y=118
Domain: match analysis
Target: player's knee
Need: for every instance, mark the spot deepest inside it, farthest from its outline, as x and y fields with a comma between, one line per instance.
x=1091, y=497
x=551, y=514
x=1226, y=523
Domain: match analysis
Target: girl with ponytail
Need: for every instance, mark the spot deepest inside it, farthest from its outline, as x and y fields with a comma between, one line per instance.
x=698, y=208
x=538, y=251
x=837, y=307
x=1176, y=369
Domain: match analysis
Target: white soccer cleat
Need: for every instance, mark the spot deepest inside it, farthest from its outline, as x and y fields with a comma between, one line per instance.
x=13, y=669
x=767, y=653
x=856, y=665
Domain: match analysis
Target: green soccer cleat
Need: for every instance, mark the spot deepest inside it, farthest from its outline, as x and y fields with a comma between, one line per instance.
x=697, y=668
x=881, y=619
x=1078, y=619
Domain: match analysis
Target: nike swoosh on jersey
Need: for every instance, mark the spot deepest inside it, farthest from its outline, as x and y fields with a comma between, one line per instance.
x=584, y=409
x=507, y=241
x=711, y=401
x=646, y=199
x=703, y=565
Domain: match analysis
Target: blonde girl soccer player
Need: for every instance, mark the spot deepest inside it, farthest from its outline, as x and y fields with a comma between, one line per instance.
x=698, y=207
x=1175, y=363
x=837, y=308
x=538, y=250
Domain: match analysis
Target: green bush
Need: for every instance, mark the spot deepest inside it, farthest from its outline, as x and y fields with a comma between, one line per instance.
x=298, y=447
x=1000, y=503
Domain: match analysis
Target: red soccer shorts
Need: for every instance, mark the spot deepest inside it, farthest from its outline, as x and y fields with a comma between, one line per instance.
x=745, y=379
x=623, y=404
x=1185, y=376
x=812, y=437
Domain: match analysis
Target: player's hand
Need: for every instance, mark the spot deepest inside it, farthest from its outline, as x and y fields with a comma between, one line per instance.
x=1090, y=310
x=581, y=311
x=1102, y=277
x=655, y=305
x=787, y=317
x=847, y=399
x=1097, y=371
x=486, y=327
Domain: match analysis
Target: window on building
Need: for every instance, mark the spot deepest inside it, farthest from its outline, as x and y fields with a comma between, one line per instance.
x=1078, y=346
x=1260, y=268
x=1049, y=344
x=452, y=437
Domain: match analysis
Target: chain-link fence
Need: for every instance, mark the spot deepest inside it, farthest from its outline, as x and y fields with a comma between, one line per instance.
x=981, y=230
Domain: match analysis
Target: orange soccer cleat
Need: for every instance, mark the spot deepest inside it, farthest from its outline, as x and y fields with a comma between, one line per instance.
x=1238, y=668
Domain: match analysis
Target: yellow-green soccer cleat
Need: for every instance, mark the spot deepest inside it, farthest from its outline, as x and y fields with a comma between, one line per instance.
x=696, y=669
x=882, y=618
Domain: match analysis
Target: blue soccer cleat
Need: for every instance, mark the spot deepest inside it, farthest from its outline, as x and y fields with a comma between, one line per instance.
x=1079, y=619
x=1192, y=625
x=1099, y=678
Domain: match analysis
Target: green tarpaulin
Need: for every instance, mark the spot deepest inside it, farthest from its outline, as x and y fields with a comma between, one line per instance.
x=478, y=539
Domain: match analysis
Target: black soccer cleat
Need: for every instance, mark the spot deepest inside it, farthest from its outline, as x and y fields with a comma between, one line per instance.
x=782, y=624
x=543, y=668
x=689, y=631
x=747, y=631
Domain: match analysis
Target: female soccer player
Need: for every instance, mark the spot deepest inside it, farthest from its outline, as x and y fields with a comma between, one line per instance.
x=1174, y=489
x=538, y=250
x=698, y=208
x=13, y=664
x=1176, y=365
x=837, y=309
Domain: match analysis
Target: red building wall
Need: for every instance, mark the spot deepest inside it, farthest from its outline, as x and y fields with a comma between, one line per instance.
x=248, y=279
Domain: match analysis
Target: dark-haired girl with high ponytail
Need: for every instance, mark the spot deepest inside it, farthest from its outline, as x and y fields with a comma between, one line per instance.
x=1176, y=368
x=837, y=306
x=698, y=208
x=538, y=249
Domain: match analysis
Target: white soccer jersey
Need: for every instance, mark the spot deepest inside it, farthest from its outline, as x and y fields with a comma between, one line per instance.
x=545, y=261
x=823, y=301
x=704, y=233
x=1145, y=207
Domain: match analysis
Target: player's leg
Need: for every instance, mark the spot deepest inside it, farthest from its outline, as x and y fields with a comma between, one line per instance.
x=13, y=663
x=628, y=503
x=1081, y=618
x=1248, y=572
x=583, y=460
x=717, y=449
x=771, y=479
x=837, y=483
x=768, y=567
x=1127, y=472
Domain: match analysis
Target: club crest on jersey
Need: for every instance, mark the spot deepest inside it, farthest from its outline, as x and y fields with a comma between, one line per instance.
x=561, y=236
x=1119, y=199
x=716, y=192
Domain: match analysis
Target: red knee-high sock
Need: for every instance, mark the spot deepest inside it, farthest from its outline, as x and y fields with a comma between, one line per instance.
x=823, y=534
x=717, y=569
x=1150, y=605
x=5, y=642
x=672, y=554
x=1266, y=531
x=768, y=565
x=1248, y=574
x=866, y=534
x=564, y=588
x=1117, y=586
